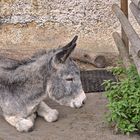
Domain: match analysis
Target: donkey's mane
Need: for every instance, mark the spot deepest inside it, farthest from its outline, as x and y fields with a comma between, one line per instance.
x=12, y=64
x=18, y=63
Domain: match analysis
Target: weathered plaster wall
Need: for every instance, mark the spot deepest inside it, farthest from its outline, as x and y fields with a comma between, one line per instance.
x=32, y=24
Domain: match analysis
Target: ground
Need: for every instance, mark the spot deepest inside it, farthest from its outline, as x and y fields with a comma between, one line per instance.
x=87, y=123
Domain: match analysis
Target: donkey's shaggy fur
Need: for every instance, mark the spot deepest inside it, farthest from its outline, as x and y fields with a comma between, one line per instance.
x=25, y=84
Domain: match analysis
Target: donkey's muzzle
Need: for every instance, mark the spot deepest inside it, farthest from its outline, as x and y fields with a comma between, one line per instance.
x=80, y=101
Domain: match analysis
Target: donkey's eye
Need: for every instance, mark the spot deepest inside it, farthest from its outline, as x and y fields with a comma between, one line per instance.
x=69, y=79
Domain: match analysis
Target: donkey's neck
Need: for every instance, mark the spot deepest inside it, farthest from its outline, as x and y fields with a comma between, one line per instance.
x=43, y=64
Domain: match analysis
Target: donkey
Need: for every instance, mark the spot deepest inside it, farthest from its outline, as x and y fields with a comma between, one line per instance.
x=25, y=84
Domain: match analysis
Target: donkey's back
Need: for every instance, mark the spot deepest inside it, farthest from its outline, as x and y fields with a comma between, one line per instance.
x=22, y=83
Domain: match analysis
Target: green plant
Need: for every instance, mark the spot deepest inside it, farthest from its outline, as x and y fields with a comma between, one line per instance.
x=124, y=100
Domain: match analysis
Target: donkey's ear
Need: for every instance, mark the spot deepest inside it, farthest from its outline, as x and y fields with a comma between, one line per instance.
x=62, y=55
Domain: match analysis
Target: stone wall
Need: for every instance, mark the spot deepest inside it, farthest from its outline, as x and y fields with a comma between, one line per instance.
x=33, y=24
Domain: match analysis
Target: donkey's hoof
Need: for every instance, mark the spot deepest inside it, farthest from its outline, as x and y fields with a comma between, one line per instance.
x=52, y=116
x=24, y=125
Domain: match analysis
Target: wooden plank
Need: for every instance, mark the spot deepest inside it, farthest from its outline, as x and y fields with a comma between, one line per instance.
x=122, y=50
x=130, y=32
x=135, y=11
x=124, y=8
x=136, y=60
x=137, y=3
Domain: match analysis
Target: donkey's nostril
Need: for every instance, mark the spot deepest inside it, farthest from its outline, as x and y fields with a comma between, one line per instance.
x=83, y=102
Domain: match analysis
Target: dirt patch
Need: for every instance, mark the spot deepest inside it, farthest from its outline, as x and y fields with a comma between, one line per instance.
x=87, y=123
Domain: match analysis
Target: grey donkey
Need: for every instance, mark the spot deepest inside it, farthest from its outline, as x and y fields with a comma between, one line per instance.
x=25, y=84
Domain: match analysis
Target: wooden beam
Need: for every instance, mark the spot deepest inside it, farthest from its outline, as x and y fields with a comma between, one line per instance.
x=95, y=59
x=137, y=3
x=136, y=60
x=130, y=32
x=135, y=11
x=124, y=8
x=122, y=50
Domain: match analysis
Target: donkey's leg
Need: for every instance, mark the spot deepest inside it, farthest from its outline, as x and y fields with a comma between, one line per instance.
x=21, y=124
x=50, y=115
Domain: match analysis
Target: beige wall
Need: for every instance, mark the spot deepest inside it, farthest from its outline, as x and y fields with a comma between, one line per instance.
x=32, y=24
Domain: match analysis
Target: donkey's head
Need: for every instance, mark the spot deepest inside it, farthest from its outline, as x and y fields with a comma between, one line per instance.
x=65, y=85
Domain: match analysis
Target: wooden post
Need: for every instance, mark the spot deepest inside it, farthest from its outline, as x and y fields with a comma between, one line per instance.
x=129, y=30
x=122, y=50
x=136, y=11
x=133, y=37
x=137, y=3
x=124, y=8
x=136, y=60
